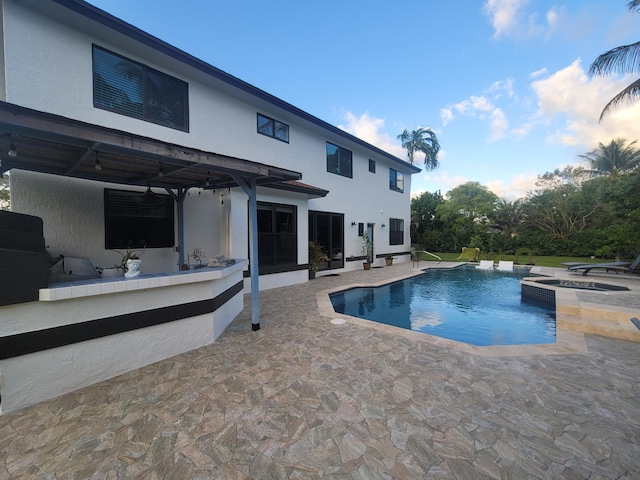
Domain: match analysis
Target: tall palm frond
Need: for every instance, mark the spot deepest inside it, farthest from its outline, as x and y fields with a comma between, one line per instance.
x=624, y=59
x=614, y=159
x=630, y=93
x=422, y=140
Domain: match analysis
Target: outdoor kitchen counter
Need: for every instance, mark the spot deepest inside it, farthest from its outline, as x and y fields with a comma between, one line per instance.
x=86, y=331
x=111, y=285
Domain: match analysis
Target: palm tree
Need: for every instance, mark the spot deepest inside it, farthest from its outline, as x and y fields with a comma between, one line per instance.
x=507, y=216
x=614, y=159
x=624, y=59
x=422, y=140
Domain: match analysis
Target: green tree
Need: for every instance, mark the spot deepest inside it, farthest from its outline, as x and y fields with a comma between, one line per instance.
x=624, y=59
x=426, y=226
x=507, y=217
x=614, y=159
x=422, y=140
x=466, y=214
x=559, y=212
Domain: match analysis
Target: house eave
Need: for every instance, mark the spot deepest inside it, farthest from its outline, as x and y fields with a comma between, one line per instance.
x=57, y=145
x=134, y=33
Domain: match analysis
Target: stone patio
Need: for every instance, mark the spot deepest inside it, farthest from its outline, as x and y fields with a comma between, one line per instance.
x=306, y=398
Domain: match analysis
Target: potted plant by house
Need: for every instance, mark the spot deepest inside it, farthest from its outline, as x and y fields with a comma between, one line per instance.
x=388, y=258
x=316, y=257
x=367, y=251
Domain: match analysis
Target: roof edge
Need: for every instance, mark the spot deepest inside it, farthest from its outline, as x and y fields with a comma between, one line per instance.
x=94, y=13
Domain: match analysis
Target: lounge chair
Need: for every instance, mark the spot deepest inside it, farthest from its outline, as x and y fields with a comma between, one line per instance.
x=610, y=267
x=505, y=266
x=485, y=265
x=582, y=264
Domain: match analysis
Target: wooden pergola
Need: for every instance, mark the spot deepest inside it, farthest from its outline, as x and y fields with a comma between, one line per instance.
x=52, y=144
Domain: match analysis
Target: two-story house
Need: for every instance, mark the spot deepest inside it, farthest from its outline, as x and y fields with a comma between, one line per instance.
x=119, y=141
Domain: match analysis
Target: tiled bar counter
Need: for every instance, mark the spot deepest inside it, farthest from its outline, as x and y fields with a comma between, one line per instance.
x=80, y=333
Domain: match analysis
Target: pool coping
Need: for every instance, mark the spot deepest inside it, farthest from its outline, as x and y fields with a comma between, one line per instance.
x=568, y=341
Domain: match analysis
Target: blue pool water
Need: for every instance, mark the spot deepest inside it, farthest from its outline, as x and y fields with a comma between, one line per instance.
x=464, y=304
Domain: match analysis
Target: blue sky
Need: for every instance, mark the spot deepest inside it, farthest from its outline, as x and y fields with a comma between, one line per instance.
x=502, y=82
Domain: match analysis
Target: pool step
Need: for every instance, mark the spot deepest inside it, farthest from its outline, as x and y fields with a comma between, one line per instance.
x=603, y=324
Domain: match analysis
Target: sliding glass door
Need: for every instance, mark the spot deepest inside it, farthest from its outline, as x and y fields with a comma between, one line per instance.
x=327, y=229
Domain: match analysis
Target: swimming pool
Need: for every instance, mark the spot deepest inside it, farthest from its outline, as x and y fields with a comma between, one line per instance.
x=464, y=304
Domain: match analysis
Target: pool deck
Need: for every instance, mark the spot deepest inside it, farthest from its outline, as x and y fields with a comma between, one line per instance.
x=308, y=398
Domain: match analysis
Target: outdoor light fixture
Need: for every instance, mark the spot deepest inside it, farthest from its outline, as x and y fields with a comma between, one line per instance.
x=353, y=224
x=383, y=225
x=13, y=153
x=97, y=165
x=207, y=181
x=160, y=171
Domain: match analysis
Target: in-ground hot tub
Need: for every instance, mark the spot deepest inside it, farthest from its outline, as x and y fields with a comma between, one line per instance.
x=544, y=289
x=581, y=285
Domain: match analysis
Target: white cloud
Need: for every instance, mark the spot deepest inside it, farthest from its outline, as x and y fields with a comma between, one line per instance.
x=511, y=18
x=501, y=86
x=443, y=182
x=538, y=73
x=517, y=188
x=367, y=128
x=478, y=107
x=570, y=102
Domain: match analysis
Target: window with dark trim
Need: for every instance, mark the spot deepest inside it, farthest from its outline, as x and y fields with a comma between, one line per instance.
x=339, y=160
x=372, y=166
x=277, y=235
x=396, y=231
x=138, y=219
x=273, y=128
x=130, y=88
x=396, y=180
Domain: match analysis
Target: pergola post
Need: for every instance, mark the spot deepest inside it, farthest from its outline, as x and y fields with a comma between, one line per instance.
x=249, y=187
x=179, y=197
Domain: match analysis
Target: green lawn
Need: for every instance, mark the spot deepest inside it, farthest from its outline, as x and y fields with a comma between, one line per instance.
x=542, y=261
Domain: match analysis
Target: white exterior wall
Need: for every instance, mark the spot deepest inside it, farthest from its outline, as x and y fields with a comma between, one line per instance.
x=49, y=66
x=63, y=201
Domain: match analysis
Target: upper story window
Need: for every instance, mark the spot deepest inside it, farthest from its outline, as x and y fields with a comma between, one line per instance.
x=130, y=88
x=396, y=180
x=339, y=160
x=273, y=128
x=372, y=166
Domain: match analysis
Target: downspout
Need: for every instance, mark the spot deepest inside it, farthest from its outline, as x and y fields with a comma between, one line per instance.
x=249, y=187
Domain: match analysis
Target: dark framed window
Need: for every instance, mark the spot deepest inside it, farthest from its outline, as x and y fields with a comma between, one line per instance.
x=339, y=160
x=138, y=220
x=372, y=166
x=396, y=180
x=327, y=229
x=273, y=128
x=277, y=235
x=130, y=88
x=396, y=231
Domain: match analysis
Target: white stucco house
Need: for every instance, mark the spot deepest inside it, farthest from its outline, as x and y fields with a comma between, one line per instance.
x=118, y=140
